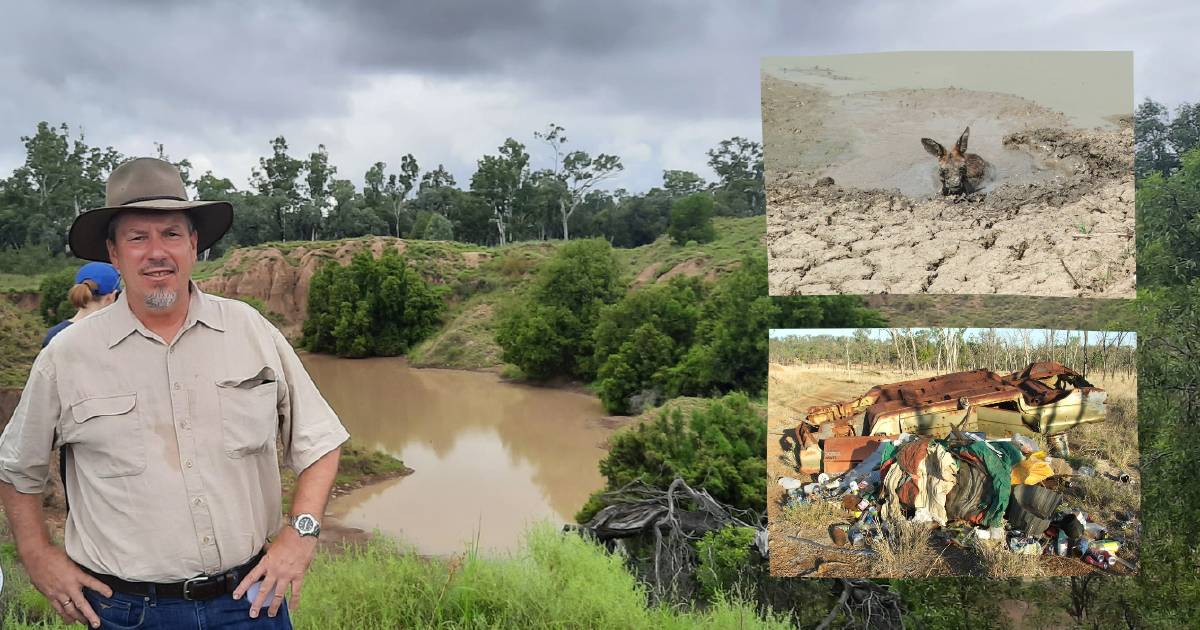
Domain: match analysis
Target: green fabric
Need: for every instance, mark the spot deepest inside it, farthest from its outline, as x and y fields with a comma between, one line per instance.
x=888, y=452
x=999, y=468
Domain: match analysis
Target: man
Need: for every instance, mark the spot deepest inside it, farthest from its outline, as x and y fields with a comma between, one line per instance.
x=170, y=403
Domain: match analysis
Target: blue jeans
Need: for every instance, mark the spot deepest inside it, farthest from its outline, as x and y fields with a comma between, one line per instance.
x=121, y=612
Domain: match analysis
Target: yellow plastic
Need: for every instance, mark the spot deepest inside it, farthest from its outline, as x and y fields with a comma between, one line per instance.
x=1032, y=469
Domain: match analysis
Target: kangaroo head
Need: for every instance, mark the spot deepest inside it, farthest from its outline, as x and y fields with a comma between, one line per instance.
x=952, y=164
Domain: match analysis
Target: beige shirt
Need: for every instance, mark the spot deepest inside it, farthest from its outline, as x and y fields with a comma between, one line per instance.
x=173, y=468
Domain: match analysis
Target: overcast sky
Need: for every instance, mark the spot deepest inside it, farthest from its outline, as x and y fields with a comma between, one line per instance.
x=656, y=83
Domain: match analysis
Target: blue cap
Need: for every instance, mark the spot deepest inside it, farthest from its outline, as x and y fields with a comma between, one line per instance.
x=103, y=274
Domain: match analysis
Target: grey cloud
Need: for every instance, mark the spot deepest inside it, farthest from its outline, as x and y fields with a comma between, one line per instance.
x=234, y=74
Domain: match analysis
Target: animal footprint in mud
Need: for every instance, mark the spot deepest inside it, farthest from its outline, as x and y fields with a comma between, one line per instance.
x=960, y=173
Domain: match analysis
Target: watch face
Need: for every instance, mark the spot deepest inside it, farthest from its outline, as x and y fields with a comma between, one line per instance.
x=306, y=524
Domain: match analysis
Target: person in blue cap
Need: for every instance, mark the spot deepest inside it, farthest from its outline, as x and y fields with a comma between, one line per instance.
x=96, y=286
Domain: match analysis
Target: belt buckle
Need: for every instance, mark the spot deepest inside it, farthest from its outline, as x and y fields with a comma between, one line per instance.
x=187, y=585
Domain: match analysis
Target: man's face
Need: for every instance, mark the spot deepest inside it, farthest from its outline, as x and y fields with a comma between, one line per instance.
x=155, y=253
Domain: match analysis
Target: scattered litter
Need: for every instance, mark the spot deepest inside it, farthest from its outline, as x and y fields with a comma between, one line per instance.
x=975, y=490
x=1025, y=545
x=790, y=483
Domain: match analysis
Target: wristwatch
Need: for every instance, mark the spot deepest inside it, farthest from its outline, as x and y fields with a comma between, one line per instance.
x=306, y=525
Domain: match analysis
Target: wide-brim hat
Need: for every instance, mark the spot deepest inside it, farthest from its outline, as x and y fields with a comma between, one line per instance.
x=146, y=185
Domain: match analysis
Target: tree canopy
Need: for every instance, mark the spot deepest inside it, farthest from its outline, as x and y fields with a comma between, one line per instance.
x=295, y=195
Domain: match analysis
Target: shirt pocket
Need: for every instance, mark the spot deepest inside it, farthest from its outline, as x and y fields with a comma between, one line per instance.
x=106, y=439
x=249, y=412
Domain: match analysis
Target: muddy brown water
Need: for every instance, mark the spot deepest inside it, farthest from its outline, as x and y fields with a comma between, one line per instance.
x=490, y=457
x=1088, y=87
x=859, y=118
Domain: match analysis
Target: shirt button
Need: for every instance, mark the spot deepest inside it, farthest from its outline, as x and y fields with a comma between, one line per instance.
x=197, y=501
x=207, y=540
x=188, y=463
x=176, y=385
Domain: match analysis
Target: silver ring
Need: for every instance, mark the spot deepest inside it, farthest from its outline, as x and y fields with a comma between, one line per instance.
x=68, y=603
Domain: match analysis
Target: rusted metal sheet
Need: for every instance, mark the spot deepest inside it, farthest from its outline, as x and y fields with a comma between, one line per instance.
x=843, y=453
x=1046, y=397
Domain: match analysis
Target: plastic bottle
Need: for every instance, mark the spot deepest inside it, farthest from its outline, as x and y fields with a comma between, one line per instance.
x=1096, y=531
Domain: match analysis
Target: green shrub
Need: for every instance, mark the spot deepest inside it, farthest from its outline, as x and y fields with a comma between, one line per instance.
x=720, y=448
x=549, y=332
x=825, y=311
x=438, y=228
x=727, y=564
x=640, y=338
x=370, y=307
x=55, y=306
x=730, y=352
x=33, y=260
x=691, y=219
x=261, y=307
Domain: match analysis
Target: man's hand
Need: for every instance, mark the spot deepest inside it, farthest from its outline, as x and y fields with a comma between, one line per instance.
x=62, y=582
x=282, y=567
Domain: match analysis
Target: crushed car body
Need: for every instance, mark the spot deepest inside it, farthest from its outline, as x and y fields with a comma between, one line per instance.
x=1046, y=398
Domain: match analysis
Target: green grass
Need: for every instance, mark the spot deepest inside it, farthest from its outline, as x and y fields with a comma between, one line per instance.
x=21, y=335
x=736, y=237
x=18, y=283
x=555, y=581
x=357, y=464
x=465, y=342
x=206, y=268
x=1005, y=311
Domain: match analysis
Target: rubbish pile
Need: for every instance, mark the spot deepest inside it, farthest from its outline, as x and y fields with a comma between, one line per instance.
x=969, y=487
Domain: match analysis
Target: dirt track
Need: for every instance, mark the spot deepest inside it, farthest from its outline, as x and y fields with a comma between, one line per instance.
x=1057, y=221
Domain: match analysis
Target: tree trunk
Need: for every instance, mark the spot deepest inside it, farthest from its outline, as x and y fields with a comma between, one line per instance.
x=500, y=226
x=562, y=209
x=1085, y=354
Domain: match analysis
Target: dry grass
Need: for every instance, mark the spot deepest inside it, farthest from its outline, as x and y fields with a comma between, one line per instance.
x=1114, y=441
x=998, y=561
x=813, y=517
x=905, y=552
x=868, y=377
x=1110, y=447
x=1102, y=498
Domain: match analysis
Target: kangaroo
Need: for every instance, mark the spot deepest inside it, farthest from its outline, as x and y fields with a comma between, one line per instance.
x=961, y=173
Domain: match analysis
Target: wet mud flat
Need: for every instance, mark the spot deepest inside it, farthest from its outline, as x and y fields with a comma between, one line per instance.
x=852, y=204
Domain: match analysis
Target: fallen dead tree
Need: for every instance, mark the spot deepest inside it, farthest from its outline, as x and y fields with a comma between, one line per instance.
x=678, y=516
x=675, y=517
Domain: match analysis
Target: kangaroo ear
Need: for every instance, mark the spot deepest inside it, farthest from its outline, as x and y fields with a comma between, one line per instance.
x=937, y=150
x=961, y=145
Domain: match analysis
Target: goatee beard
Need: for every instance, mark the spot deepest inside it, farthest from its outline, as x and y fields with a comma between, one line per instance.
x=161, y=299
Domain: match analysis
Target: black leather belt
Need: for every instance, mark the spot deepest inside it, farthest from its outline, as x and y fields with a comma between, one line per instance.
x=198, y=588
